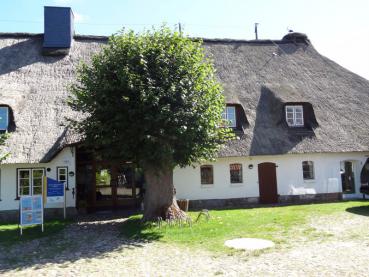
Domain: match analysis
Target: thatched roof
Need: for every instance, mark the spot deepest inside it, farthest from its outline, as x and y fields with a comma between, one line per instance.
x=36, y=88
x=265, y=75
x=259, y=75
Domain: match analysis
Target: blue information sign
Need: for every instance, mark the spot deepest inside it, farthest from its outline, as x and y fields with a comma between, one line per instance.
x=54, y=191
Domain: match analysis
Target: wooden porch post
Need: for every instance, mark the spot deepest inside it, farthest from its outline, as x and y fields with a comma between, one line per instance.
x=92, y=193
x=114, y=185
x=133, y=182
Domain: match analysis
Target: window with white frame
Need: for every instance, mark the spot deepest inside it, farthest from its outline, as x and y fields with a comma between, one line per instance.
x=30, y=181
x=295, y=115
x=62, y=174
x=308, y=170
x=229, y=115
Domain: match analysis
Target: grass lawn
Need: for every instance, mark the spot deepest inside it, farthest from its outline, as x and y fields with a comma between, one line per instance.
x=279, y=224
x=10, y=234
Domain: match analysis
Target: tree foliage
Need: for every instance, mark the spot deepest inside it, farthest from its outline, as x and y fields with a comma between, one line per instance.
x=151, y=98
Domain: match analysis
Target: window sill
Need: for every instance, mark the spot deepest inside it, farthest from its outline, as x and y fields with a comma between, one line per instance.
x=309, y=181
x=236, y=184
x=207, y=186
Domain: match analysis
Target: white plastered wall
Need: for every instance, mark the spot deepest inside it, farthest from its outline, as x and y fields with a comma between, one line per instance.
x=289, y=176
x=8, y=182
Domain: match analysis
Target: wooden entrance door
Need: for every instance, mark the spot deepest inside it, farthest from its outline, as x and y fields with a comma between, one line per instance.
x=267, y=183
x=348, y=177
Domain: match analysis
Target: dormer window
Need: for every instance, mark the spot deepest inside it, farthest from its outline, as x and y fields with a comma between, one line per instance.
x=4, y=118
x=295, y=115
x=229, y=115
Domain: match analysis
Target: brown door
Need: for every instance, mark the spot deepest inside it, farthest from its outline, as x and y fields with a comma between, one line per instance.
x=267, y=183
x=348, y=178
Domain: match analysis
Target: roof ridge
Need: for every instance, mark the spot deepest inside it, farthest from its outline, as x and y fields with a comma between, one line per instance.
x=98, y=37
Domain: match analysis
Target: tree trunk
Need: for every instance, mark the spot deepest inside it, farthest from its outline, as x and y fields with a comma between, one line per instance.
x=160, y=199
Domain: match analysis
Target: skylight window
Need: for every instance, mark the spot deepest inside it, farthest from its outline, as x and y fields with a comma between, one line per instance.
x=4, y=118
x=295, y=116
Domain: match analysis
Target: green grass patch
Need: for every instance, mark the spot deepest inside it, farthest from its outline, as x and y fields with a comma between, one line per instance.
x=10, y=233
x=278, y=224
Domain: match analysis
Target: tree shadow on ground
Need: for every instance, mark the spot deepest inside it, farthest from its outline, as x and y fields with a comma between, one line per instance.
x=136, y=230
x=87, y=238
x=361, y=210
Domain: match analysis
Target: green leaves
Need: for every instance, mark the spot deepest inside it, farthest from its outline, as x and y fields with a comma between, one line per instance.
x=151, y=98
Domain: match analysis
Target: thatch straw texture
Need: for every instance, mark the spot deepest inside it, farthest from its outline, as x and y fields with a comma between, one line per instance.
x=36, y=87
x=264, y=76
x=261, y=76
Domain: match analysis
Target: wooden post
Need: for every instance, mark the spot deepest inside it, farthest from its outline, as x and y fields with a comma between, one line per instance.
x=92, y=193
x=133, y=182
x=65, y=200
x=114, y=185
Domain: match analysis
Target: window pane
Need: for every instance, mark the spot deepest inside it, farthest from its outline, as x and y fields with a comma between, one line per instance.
x=236, y=173
x=62, y=174
x=232, y=120
x=206, y=174
x=289, y=109
x=62, y=171
x=290, y=121
x=299, y=122
x=24, y=174
x=294, y=116
x=231, y=116
x=298, y=115
x=308, y=170
x=24, y=191
x=37, y=190
x=37, y=173
x=289, y=115
x=298, y=109
x=24, y=186
x=37, y=182
x=231, y=110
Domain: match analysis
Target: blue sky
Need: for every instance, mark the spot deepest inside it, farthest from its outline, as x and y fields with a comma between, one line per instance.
x=338, y=29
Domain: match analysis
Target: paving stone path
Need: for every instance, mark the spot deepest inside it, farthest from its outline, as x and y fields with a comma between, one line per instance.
x=95, y=248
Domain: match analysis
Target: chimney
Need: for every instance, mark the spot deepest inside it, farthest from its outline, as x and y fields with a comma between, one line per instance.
x=58, y=30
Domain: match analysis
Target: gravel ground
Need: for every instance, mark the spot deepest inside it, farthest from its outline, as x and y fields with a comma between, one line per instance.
x=94, y=248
